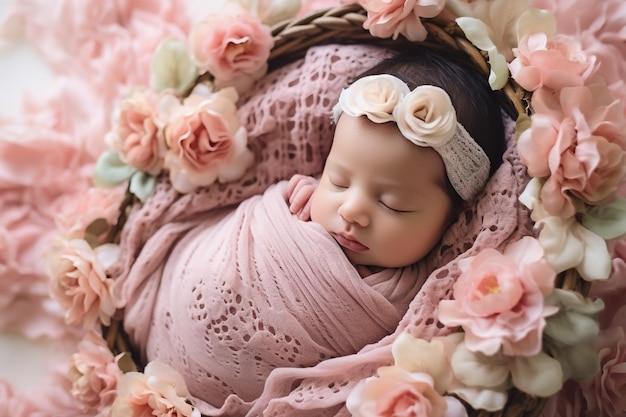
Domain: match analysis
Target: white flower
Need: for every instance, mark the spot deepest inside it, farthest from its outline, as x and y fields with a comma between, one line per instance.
x=477, y=32
x=426, y=116
x=566, y=242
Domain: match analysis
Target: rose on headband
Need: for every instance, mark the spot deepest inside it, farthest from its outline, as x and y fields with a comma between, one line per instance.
x=426, y=116
x=375, y=96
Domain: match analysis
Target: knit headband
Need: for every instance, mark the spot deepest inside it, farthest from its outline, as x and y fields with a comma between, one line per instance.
x=426, y=117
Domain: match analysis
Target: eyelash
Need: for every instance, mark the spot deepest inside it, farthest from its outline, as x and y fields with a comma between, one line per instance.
x=380, y=202
x=393, y=209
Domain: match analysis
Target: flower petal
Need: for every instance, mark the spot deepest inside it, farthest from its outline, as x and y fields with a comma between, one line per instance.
x=538, y=375
x=608, y=221
x=477, y=32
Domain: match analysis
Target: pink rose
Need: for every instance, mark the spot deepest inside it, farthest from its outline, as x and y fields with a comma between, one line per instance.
x=95, y=203
x=396, y=392
x=390, y=18
x=554, y=63
x=159, y=391
x=136, y=134
x=79, y=282
x=232, y=43
x=499, y=299
x=94, y=373
x=577, y=139
x=605, y=393
x=14, y=404
x=206, y=141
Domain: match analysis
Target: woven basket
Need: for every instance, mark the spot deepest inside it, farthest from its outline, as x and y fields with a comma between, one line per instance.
x=345, y=25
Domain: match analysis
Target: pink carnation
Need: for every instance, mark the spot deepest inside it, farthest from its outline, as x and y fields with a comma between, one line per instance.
x=600, y=28
x=396, y=392
x=391, y=18
x=605, y=393
x=578, y=140
x=553, y=63
x=232, y=43
x=94, y=373
x=80, y=284
x=160, y=391
x=14, y=404
x=136, y=134
x=499, y=299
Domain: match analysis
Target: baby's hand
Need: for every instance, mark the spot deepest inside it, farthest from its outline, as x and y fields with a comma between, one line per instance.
x=299, y=192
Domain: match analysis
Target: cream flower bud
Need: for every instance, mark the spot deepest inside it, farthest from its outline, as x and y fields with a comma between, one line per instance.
x=375, y=97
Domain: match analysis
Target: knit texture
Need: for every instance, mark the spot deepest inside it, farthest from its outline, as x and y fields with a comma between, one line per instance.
x=206, y=285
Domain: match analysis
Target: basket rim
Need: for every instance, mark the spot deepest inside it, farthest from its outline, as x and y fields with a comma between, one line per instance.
x=344, y=25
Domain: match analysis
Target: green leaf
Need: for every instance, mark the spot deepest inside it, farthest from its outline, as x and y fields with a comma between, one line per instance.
x=111, y=171
x=608, y=221
x=142, y=185
x=172, y=67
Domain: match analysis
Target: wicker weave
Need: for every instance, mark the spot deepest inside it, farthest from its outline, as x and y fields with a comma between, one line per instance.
x=345, y=25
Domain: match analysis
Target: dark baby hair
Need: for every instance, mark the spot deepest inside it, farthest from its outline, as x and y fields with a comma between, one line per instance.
x=476, y=104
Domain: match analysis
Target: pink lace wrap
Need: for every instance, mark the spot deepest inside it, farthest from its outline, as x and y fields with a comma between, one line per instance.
x=258, y=310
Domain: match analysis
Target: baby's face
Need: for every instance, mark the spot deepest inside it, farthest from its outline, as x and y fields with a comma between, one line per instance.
x=380, y=196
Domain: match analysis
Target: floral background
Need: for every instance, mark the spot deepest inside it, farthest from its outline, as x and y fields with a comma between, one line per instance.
x=75, y=71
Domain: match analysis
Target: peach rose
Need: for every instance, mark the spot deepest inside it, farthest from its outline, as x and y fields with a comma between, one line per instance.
x=499, y=299
x=391, y=18
x=95, y=203
x=554, y=63
x=398, y=392
x=94, y=373
x=159, y=391
x=577, y=139
x=80, y=284
x=136, y=134
x=605, y=392
x=232, y=43
x=206, y=141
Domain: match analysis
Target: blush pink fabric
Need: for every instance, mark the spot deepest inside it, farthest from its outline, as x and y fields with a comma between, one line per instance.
x=260, y=312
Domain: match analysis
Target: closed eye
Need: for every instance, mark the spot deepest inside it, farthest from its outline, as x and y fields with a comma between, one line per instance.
x=338, y=185
x=394, y=210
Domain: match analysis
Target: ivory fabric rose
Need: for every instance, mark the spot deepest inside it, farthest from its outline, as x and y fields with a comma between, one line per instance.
x=159, y=391
x=426, y=116
x=554, y=62
x=396, y=391
x=94, y=373
x=206, y=142
x=231, y=43
x=392, y=18
x=374, y=96
x=79, y=282
x=577, y=140
x=136, y=134
x=499, y=299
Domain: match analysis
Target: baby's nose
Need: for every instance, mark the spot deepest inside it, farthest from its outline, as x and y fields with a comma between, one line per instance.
x=354, y=210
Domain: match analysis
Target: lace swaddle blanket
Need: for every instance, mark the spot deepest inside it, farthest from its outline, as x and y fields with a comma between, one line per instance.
x=288, y=120
x=253, y=289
